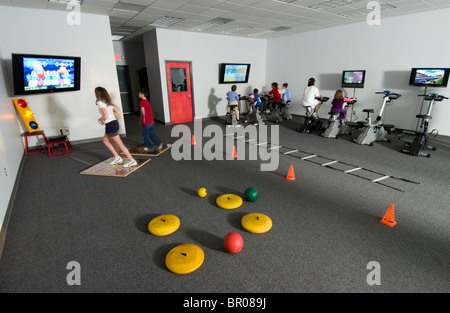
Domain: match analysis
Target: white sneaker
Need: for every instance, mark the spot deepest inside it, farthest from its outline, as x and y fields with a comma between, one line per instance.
x=130, y=163
x=116, y=160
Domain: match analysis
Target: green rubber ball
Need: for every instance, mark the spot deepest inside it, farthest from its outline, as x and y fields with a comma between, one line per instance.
x=251, y=194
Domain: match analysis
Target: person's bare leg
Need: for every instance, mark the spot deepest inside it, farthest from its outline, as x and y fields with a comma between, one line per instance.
x=316, y=110
x=108, y=145
x=118, y=141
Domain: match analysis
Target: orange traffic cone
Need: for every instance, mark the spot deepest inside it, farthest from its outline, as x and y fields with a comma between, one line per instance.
x=389, y=217
x=193, y=143
x=291, y=175
x=234, y=154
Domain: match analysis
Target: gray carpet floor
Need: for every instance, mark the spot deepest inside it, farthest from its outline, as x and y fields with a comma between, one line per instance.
x=326, y=223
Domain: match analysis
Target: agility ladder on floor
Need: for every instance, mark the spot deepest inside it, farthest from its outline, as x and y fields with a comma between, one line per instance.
x=353, y=170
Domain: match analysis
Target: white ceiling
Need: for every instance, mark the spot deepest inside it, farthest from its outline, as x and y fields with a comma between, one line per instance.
x=249, y=18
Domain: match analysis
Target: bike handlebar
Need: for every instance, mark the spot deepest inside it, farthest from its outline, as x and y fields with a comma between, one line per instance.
x=388, y=93
x=433, y=94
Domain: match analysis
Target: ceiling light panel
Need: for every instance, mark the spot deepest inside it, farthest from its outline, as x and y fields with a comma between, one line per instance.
x=234, y=30
x=213, y=23
x=262, y=33
x=332, y=4
x=166, y=21
x=204, y=26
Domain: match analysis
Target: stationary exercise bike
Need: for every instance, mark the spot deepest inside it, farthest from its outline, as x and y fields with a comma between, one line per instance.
x=336, y=126
x=231, y=118
x=377, y=131
x=253, y=114
x=310, y=122
x=284, y=112
x=422, y=136
x=270, y=113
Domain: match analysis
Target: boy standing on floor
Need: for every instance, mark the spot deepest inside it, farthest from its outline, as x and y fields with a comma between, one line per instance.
x=147, y=122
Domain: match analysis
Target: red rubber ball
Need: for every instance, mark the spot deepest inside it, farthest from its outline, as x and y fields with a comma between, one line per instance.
x=233, y=243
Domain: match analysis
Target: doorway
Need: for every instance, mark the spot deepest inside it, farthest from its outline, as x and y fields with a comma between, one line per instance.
x=179, y=84
x=123, y=75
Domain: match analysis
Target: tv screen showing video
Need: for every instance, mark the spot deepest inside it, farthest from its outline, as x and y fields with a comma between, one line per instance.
x=434, y=77
x=42, y=74
x=353, y=79
x=234, y=73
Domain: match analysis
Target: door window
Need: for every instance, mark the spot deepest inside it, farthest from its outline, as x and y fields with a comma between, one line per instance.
x=178, y=79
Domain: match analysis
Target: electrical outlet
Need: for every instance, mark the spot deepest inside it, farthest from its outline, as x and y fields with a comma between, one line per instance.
x=6, y=171
x=61, y=131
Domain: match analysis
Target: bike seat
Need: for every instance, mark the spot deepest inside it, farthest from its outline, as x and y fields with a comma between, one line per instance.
x=368, y=110
x=388, y=126
x=394, y=96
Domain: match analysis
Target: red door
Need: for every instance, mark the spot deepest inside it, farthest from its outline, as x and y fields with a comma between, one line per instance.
x=180, y=92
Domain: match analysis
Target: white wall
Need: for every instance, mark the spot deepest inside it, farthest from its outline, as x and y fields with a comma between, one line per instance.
x=206, y=51
x=387, y=52
x=46, y=32
x=91, y=40
x=11, y=147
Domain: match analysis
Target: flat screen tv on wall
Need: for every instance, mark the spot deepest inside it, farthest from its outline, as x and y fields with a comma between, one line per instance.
x=34, y=74
x=353, y=79
x=233, y=73
x=433, y=77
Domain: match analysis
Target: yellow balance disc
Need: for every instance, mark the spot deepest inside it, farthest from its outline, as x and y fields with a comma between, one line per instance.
x=256, y=223
x=229, y=201
x=164, y=225
x=184, y=259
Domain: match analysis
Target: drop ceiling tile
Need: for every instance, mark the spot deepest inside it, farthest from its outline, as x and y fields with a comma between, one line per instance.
x=34, y=4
